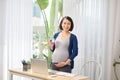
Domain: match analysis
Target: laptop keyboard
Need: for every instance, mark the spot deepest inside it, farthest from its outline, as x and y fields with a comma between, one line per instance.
x=51, y=73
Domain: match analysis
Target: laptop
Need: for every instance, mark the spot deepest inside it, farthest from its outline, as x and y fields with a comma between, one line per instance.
x=40, y=66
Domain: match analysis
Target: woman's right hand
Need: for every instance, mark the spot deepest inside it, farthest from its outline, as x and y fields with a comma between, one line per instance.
x=51, y=44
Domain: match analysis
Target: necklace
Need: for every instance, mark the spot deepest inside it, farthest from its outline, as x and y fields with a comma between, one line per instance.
x=64, y=35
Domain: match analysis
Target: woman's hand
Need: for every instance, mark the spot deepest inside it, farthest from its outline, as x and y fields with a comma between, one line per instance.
x=51, y=44
x=68, y=61
x=60, y=64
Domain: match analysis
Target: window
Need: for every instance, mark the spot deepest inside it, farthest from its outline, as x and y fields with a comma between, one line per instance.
x=38, y=29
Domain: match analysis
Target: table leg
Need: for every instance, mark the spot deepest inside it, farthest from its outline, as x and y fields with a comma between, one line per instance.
x=10, y=76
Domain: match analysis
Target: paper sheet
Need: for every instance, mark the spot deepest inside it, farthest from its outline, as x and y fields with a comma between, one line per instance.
x=65, y=74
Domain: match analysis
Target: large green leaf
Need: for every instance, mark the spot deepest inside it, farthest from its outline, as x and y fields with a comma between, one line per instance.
x=52, y=17
x=60, y=7
x=43, y=4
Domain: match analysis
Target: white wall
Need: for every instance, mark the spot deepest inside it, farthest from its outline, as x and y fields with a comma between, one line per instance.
x=2, y=26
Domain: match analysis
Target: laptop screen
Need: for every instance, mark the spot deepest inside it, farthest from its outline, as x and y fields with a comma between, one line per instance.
x=39, y=66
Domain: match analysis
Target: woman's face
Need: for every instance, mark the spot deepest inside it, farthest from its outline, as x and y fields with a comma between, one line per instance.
x=66, y=25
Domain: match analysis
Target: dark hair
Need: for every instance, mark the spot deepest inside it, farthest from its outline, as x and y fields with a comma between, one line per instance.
x=69, y=19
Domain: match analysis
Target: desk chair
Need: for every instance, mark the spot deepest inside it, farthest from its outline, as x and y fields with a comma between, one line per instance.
x=92, y=69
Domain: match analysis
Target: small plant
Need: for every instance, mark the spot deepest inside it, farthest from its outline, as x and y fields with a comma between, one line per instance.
x=26, y=62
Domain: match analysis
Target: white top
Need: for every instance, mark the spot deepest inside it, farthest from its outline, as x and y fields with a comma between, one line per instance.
x=61, y=50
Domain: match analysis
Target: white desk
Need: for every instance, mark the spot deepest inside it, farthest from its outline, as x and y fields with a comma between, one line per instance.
x=31, y=75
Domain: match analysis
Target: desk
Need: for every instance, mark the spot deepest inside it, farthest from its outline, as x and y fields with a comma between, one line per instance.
x=32, y=75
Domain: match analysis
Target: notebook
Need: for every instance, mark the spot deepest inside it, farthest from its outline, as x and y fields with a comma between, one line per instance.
x=40, y=66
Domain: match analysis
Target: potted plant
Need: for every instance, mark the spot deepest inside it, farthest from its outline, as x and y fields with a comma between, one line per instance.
x=26, y=64
x=49, y=25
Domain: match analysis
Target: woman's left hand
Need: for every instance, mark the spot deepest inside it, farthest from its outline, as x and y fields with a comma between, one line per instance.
x=60, y=64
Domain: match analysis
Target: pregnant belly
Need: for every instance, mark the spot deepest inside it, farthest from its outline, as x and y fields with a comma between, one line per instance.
x=59, y=56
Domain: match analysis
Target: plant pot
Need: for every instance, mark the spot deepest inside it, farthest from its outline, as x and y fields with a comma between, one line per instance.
x=25, y=67
x=29, y=66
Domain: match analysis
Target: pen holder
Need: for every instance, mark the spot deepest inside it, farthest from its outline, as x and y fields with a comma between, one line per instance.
x=25, y=67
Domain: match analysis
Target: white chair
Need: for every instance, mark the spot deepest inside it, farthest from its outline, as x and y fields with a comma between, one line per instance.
x=92, y=69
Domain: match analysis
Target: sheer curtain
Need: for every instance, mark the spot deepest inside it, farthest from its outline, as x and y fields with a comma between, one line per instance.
x=116, y=38
x=18, y=34
x=2, y=29
x=96, y=22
